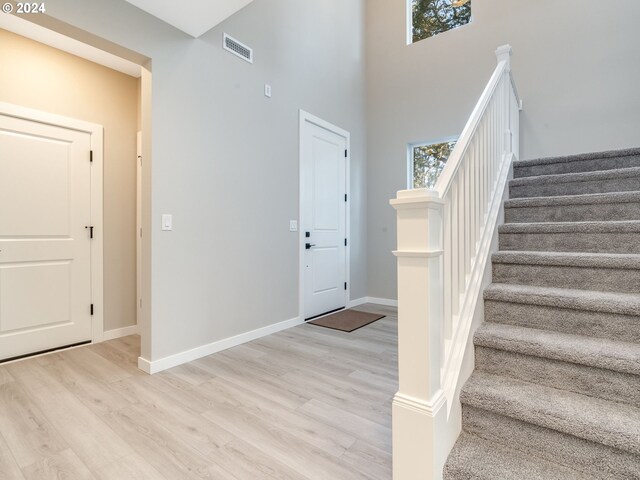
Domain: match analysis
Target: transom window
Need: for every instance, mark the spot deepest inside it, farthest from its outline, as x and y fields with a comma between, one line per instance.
x=426, y=162
x=431, y=17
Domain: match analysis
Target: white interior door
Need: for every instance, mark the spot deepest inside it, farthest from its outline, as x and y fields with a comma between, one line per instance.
x=323, y=201
x=45, y=249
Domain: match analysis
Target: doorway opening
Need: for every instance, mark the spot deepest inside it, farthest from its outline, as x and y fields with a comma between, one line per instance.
x=123, y=259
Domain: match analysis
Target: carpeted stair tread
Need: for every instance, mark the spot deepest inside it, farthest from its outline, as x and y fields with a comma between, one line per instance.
x=626, y=226
x=473, y=458
x=608, y=302
x=585, y=417
x=569, y=259
x=593, y=352
x=598, y=175
x=579, y=378
x=600, y=181
x=590, y=458
x=579, y=162
x=579, y=207
x=587, y=199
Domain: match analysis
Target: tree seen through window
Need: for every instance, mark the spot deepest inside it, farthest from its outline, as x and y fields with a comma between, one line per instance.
x=428, y=162
x=430, y=17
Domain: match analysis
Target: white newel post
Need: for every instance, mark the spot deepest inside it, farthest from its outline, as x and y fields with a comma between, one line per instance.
x=419, y=406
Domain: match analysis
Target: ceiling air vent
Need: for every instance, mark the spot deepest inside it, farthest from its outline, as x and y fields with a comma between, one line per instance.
x=237, y=48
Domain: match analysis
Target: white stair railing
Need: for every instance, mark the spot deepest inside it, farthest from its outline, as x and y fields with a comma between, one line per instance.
x=444, y=242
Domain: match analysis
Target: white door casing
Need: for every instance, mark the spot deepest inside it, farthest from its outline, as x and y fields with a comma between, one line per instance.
x=324, y=167
x=47, y=283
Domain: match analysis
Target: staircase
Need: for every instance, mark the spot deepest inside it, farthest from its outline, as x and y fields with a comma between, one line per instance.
x=556, y=389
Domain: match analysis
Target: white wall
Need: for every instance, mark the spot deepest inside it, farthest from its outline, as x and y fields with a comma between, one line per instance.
x=225, y=158
x=576, y=64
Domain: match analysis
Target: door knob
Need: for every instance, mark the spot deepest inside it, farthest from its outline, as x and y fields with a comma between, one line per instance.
x=307, y=246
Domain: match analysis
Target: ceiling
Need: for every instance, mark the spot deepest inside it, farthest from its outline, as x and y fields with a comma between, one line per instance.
x=193, y=17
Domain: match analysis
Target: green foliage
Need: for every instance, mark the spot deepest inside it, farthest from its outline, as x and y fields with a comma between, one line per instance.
x=431, y=17
x=428, y=162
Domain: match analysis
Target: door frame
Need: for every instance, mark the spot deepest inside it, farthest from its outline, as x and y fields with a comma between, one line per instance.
x=304, y=119
x=95, y=132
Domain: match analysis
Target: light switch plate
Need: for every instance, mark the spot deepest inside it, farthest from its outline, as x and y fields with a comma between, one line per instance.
x=167, y=222
x=267, y=90
x=293, y=225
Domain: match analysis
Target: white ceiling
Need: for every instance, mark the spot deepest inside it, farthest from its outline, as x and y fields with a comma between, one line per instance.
x=194, y=17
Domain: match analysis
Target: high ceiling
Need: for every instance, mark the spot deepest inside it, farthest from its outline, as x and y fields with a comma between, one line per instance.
x=193, y=17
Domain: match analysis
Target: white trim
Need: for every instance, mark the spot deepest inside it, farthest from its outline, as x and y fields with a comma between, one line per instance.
x=418, y=254
x=174, y=360
x=357, y=302
x=309, y=118
x=385, y=302
x=431, y=407
x=409, y=25
x=138, y=161
x=96, y=134
x=120, y=332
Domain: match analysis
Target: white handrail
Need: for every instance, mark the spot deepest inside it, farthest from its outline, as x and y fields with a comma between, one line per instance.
x=444, y=242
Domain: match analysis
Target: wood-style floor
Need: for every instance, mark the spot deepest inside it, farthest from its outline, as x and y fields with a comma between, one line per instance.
x=305, y=403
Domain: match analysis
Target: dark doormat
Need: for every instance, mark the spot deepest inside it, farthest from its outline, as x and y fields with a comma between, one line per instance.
x=347, y=320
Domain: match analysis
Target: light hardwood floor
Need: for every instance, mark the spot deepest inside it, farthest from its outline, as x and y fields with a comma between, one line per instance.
x=305, y=403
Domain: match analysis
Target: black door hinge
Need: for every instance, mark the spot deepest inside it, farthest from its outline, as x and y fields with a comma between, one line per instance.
x=90, y=231
x=345, y=242
x=92, y=309
x=91, y=155
x=345, y=285
x=345, y=154
x=345, y=197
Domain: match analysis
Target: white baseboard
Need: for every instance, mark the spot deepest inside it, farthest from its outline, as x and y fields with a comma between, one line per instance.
x=120, y=332
x=387, y=302
x=356, y=302
x=161, y=364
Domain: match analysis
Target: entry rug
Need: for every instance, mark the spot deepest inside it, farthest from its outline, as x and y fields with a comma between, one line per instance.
x=347, y=320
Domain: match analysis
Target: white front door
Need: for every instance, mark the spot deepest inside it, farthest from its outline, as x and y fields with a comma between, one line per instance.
x=45, y=249
x=324, y=206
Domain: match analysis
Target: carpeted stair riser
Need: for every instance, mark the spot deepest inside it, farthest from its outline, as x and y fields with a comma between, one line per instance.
x=576, y=184
x=594, y=278
x=474, y=458
x=599, y=240
x=588, y=418
x=582, y=455
x=577, y=163
x=614, y=326
x=601, y=353
x=530, y=210
x=595, y=382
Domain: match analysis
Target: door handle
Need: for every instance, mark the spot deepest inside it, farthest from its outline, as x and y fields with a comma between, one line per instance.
x=307, y=246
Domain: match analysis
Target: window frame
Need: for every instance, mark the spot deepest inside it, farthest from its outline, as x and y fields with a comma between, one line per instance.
x=410, y=156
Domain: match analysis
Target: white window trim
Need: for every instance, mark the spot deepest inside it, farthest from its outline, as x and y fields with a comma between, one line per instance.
x=412, y=145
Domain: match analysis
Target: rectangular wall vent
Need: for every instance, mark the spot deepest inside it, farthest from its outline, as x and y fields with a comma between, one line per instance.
x=234, y=46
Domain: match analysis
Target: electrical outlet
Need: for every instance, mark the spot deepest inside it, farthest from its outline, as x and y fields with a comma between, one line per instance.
x=293, y=225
